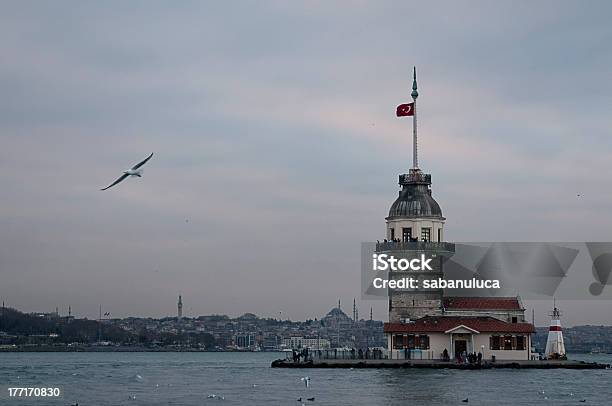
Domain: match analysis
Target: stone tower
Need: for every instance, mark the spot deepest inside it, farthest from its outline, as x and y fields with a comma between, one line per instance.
x=415, y=226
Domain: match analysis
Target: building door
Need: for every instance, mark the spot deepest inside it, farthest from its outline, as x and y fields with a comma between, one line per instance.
x=460, y=346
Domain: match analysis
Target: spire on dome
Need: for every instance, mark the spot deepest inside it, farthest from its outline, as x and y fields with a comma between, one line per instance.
x=414, y=94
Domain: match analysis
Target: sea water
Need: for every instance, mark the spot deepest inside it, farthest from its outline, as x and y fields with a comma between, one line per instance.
x=188, y=378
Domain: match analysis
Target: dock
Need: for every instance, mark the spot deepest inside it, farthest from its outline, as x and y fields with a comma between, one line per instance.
x=433, y=364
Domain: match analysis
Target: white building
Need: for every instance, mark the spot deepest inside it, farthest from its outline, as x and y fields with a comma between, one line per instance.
x=428, y=337
x=313, y=343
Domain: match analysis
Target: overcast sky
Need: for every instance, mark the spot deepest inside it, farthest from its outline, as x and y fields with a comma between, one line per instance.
x=277, y=148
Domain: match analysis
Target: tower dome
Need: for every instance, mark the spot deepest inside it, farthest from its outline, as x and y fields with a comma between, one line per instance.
x=415, y=198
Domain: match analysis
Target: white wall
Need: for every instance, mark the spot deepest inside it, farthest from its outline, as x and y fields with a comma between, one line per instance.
x=440, y=341
x=416, y=224
x=484, y=339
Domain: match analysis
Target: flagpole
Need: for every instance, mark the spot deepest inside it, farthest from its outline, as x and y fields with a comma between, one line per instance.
x=414, y=94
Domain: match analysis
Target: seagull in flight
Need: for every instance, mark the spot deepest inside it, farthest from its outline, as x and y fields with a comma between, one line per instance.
x=133, y=171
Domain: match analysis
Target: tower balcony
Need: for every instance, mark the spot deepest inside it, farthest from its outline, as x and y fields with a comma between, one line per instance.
x=416, y=246
x=415, y=177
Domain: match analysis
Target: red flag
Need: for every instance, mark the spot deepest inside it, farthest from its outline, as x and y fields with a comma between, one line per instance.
x=405, y=110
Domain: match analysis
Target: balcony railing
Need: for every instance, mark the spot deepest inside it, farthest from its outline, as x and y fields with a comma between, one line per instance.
x=415, y=177
x=415, y=246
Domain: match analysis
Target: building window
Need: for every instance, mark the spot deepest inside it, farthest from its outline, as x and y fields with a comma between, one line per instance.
x=424, y=342
x=507, y=342
x=439, y=235
x=520, y=343
x=392, y=234
x=411, y=342
x=494, y=341
x=514, y=319
x=406, y=234
x=426, y=234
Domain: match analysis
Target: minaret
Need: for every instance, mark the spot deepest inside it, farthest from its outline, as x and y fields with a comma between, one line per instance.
x=555, y=348
x=100, y=324
x=415, y=225
x=179, y=306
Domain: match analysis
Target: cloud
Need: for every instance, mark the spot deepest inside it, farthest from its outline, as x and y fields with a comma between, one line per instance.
x=274, y=131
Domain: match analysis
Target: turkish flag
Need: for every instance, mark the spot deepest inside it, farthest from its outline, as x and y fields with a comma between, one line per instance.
x=405, y=110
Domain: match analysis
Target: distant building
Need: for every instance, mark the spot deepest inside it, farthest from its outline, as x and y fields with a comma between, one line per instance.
x=244, y=340
x=313, y=343
x=46, y=316
x=271, y=342
x=337, y=319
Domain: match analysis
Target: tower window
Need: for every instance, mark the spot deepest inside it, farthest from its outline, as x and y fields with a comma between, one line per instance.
x=439, y=235
x=392, y=234
x=406, y=234
x=426, y=234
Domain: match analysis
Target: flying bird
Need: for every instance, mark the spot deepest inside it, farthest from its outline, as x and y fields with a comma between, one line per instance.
x=133, y=171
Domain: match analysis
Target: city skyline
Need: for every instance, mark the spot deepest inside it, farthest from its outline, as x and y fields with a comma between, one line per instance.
x=277, y=155
x=542, y=319
x=179, y=313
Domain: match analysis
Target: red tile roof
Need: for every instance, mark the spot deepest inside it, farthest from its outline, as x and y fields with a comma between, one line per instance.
x=482, y=303
x=440, y=324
